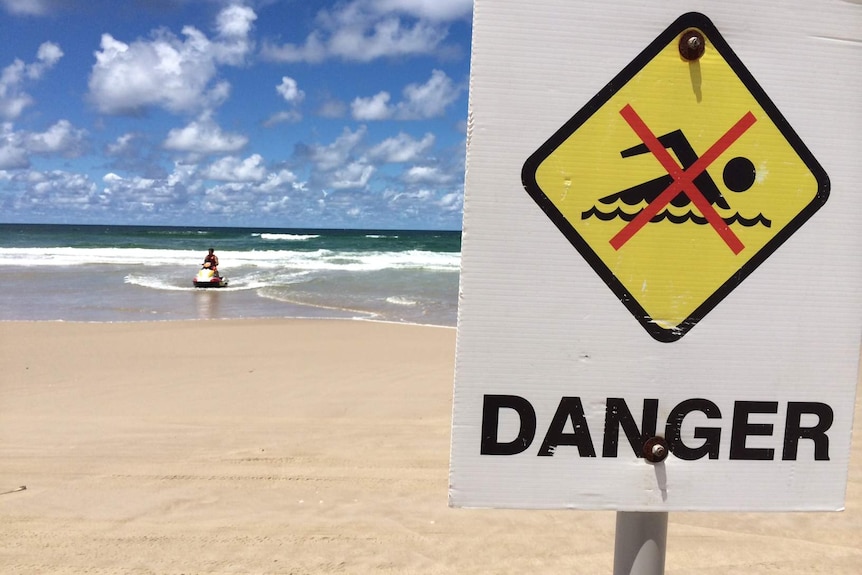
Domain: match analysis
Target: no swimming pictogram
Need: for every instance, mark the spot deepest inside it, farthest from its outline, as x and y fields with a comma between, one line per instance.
x=647, y=180
x=683, y=179
x=738, y=176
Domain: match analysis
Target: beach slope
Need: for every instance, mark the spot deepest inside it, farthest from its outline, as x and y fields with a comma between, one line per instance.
x=291, y=446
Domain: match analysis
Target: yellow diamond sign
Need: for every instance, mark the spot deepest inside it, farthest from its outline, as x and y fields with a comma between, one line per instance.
x=677, y=179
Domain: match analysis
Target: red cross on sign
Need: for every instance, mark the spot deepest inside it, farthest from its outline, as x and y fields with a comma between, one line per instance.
x=683, y=180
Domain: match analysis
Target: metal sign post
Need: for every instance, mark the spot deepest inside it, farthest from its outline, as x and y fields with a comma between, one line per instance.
x=641, y=542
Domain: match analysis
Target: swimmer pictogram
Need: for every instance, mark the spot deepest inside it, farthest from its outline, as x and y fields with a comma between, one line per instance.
x=683, y=180
x=738, y=176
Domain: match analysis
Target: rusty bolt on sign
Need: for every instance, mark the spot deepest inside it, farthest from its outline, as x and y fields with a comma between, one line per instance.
x=655, y=450
x=692, y=45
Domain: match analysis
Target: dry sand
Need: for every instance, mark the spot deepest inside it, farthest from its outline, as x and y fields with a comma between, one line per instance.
x=299, y=447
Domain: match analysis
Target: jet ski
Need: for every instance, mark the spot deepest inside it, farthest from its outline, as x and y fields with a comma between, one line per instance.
x=209, y=278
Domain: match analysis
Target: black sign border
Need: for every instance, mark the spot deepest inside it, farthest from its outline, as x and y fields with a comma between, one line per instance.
x=528, y=175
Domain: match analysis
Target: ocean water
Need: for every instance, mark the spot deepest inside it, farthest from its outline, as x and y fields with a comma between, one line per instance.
x=125, y=273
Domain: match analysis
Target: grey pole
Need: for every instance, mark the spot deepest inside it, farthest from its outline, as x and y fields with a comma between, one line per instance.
x=641, y=542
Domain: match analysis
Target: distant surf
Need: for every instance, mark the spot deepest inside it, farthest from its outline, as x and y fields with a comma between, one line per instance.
x=123, y=273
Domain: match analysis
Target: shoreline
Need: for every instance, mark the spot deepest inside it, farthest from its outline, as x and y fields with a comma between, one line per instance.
x=227, y=319
x=300, y=446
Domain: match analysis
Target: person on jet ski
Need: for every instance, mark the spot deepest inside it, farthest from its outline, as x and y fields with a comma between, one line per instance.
x=211, y=261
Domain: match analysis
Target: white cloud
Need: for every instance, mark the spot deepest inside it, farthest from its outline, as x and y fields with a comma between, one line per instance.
x=420, y=101
x=426, y=175
x=452, y=202
x=411, y=202
x=289, y=90
x=373, y=108
x=388, y=37
x=313, y=51
x=278, y=180
x=13, y=157
x=178, y=74
x=291, y=116
x=236, y=22
x=401, y=148
x=60, y=139
x=48, y=55
x=233, y=169
x=431, y=9
x=272, y=195
x=165, y=72
x=352, y=176
x=234, y=25
x=27, y=7
x=55, y=191
x=138, y=195
x=203, y=136
x=365, y=30
x=122, y=145
x=247, y=189
x=429, y=100
x=339, y=152
x=13, y=100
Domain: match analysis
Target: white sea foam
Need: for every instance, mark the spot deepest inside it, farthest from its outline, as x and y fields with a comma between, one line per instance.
x=317, y=260
x=155, y=282
x=247, y=281
x=64, y=256
x=401, y=301
x=286, y=237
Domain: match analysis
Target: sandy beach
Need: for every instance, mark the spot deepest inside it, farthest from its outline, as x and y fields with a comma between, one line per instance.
x=294, y=446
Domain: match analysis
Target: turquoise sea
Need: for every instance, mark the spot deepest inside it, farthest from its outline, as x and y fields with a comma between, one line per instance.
x=137, y=273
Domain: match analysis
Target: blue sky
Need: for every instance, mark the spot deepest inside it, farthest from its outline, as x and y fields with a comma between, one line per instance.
x=284, y=113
